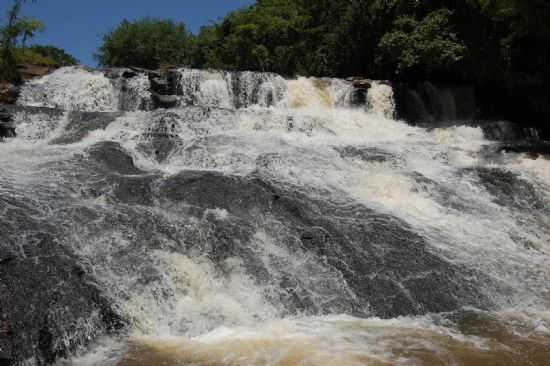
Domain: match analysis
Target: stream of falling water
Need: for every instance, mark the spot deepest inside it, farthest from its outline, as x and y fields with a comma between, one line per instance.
x=185, y=308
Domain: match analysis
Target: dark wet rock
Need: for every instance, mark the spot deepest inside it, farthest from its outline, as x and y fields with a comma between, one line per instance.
x=381, y=260
x=8, y=93
x=359, y=96
x=165, y=86
x=507, y=131
x=128, y=74
x=160, y=84
x=5, y=116
x=360, y=91
x=7, y=127
x=442, y=194
x=368, y=154
x=120, y=179
x=48, y=305
x=362, y=83
x=509, y=189
x=512, y=192
x=125, y=73
x=165, y=101
x=534, y=150
x=114, y=158
x=82, y=123
x=13, y=109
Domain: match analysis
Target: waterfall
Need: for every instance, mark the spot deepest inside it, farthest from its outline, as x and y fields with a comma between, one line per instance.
x=71, y=88
x=380, y=99
x=264, y=221
x=428, y=103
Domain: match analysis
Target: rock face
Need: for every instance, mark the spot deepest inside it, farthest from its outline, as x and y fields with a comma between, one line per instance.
x=372, y=256
x=7, y=128
x=360, y=91
x=165, y=87
x=29, y=71
x=49, y=304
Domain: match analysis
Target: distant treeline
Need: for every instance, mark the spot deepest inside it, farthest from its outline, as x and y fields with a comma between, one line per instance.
x=500, y=46
x=456, y=40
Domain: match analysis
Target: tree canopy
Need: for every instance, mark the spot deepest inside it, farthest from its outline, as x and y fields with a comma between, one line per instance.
x=147, y=42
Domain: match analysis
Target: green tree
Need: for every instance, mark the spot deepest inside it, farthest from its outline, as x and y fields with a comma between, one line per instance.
x=27, y=28
x=268, y=36
x=421, y=48
x=9, y=34
x=147, y=43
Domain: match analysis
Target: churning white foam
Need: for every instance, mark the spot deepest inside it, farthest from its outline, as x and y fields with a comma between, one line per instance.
x=302, y=134
x=71, y=88
x=380, y=99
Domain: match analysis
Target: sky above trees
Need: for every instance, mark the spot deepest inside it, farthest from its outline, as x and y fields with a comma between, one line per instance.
x=78, y=26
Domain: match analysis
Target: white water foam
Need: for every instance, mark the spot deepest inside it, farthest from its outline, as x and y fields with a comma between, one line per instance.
x=71, y=88
x=426, y=178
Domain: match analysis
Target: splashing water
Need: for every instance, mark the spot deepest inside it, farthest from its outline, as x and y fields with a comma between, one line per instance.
x=268, y=222
x=71, y=88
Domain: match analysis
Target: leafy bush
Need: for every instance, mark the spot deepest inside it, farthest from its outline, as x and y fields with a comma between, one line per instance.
x=28, y=56
x=147, y=43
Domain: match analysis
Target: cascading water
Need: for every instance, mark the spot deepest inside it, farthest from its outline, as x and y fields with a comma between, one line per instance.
x=266, y=221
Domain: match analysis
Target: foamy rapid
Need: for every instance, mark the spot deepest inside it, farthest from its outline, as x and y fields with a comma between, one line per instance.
x=223, y=280
x=71, y=88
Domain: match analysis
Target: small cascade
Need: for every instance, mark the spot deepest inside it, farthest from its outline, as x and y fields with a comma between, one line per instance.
x=204, y=88
x=317, y=93
x=427, y=103
x=380, y=99
x=133, y=90
x=341, y=92
x=255, y=88
x=71, y=88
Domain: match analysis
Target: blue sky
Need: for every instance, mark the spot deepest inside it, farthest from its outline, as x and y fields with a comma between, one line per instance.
x=77, y=25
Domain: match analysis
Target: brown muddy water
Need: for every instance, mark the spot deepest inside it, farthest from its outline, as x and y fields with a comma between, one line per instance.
x=470, y=339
